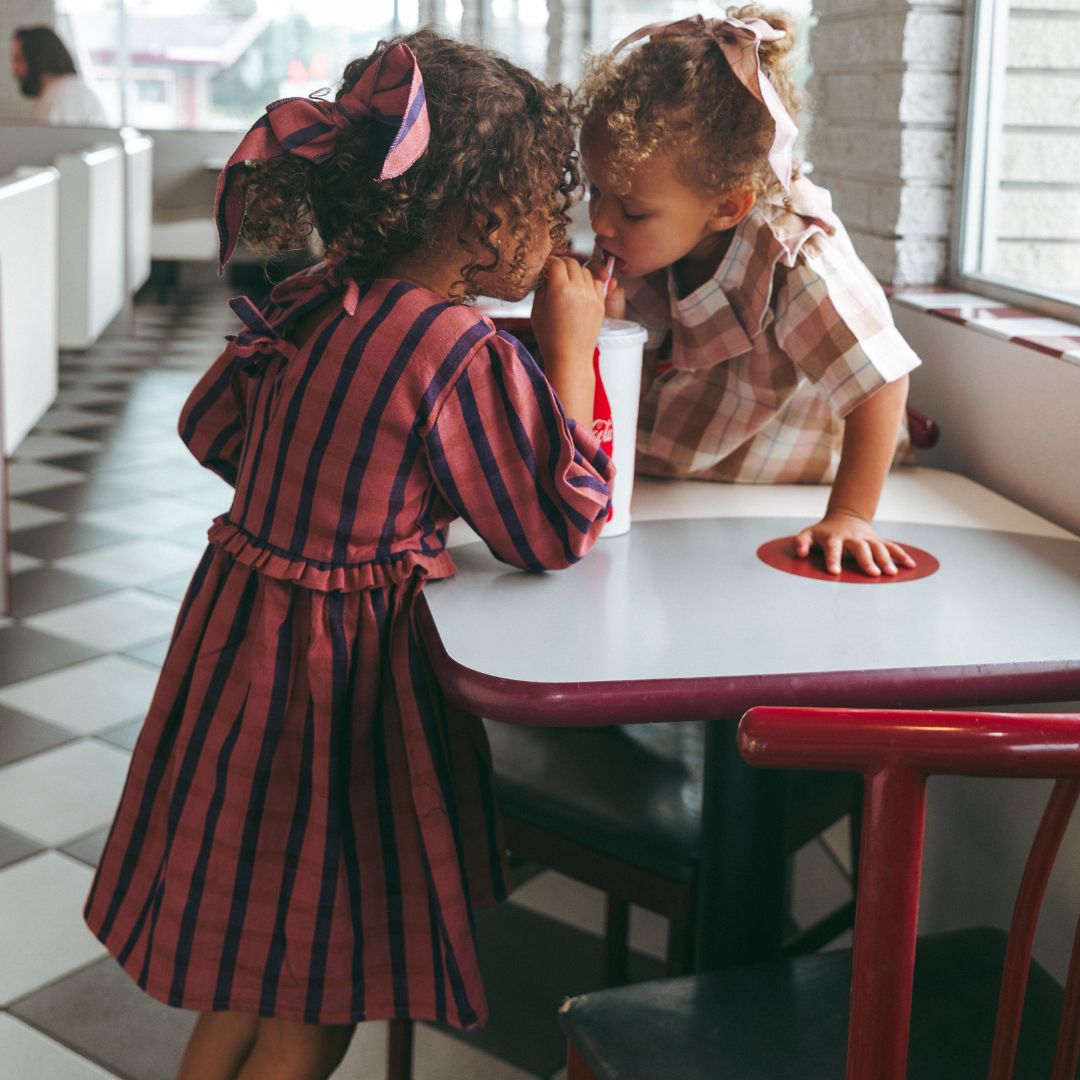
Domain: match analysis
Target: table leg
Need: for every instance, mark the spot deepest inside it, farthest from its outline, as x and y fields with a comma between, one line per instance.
x=741, y=892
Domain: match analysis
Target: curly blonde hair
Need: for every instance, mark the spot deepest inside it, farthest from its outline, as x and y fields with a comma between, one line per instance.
x=501, y=153
x=679, y=92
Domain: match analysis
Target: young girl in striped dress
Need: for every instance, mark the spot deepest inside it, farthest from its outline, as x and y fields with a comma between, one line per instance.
x=305, y=832
x=772, y=356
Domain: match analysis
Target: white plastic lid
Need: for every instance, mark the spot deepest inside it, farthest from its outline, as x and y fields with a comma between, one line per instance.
x=622, y=330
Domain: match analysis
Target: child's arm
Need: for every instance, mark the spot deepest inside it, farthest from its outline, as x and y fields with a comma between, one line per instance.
x=212, y=420
x=512, y=451
x=566, y=317
x=868, y=449
x=532, y=483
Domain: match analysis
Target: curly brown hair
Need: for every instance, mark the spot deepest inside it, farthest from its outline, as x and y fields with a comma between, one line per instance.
x=678, y=91
x=501, y=153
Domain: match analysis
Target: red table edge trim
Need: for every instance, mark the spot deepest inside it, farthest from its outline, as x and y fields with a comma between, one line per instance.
x=598, y=704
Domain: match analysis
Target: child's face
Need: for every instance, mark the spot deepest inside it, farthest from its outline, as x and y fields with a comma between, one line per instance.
x=655, y=219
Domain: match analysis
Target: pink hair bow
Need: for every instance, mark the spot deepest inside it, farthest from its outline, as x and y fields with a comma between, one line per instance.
x=740, y=43
x=390, y=90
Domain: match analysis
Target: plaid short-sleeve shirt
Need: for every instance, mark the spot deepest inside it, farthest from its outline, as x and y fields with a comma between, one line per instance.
x=748, y=378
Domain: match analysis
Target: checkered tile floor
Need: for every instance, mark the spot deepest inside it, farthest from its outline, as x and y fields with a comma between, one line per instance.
x=108, y=518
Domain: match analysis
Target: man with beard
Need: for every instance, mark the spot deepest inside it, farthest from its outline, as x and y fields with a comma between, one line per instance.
x=44, y=70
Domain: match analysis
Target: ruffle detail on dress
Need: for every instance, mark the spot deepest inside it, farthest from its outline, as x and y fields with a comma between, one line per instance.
x=806, y=212
x=326, y=577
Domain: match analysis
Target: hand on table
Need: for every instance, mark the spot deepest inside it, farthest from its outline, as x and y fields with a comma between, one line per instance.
x=841, y=533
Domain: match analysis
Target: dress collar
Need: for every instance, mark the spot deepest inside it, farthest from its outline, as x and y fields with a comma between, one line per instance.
x=736, y=300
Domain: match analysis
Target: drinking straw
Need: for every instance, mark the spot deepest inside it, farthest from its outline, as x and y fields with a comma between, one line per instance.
x=610, y=266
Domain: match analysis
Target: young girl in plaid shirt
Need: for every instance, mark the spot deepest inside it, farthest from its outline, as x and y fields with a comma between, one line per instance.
x=772, y=356
x=305, y=831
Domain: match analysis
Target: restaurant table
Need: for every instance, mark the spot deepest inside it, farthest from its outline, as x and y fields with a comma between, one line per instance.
x=680, y=620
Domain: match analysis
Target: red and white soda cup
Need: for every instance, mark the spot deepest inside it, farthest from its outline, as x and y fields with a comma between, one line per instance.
x=617, y=362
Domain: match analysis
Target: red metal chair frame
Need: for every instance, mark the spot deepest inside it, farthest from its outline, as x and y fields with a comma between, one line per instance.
x=895, y=752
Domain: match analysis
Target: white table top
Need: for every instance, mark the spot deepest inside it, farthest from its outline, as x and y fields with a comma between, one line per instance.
x=683, y=596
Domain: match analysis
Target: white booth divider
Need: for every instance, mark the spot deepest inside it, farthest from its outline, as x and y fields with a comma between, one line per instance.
x=102, y=185
x=139, y=158
x=92, y=272
x=29, y=216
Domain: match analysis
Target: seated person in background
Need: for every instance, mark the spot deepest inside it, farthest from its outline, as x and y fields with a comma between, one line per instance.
x=44, y=70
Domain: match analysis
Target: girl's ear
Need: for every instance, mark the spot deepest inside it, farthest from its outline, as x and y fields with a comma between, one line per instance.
x=730, y=209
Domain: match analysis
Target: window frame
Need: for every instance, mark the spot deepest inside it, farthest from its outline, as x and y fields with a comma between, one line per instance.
x=979, y=132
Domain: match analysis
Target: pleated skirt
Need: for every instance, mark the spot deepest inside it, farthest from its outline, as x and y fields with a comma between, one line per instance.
x=306, y=827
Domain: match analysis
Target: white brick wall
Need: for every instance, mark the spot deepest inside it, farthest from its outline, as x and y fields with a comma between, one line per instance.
x=13, y=14
x=886, y=86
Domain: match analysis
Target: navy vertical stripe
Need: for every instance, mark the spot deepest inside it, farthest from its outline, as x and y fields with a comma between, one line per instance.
x=396, y=501
x=557, y=516
x=219, y=387
x=293, y=847
x=252, y=450
x=245, y=863
x=552, y=414
x=434, y=721
x=438, y=974
x=486, y=456
x=461, y=349
x=206, y=847
x=341, y=676
x=448, y=369
x=387, y=833
x=213, y=459
x=338, y=396
x=148, y=955
x=292, y=414
x=444, y=478
x=489, y=807
x=466, y=1012
x=372, y=421
x=324, y=918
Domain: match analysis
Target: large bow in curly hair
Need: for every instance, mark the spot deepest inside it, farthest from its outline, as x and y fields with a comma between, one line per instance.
x=740, y=42
x=390, y=90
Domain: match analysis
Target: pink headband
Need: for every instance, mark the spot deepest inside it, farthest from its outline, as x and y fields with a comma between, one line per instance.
x=390, y=90
x=740, y=43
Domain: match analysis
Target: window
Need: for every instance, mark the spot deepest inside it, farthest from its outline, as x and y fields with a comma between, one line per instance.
x=1019, y=236
x=216, y=63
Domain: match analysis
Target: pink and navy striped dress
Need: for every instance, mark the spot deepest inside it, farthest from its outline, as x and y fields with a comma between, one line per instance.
x=306, y=830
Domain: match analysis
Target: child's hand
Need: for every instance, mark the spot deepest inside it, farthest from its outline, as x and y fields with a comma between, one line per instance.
x=614, y=293
x=566, y=317
x=567, y=310
x=840, y=533
x=615, y=303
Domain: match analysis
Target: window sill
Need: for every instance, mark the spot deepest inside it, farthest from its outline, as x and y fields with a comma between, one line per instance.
x=1053, y=337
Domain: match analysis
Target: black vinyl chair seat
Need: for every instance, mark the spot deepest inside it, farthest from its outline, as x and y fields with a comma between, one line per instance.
x=634, y=792
x=788, y=1020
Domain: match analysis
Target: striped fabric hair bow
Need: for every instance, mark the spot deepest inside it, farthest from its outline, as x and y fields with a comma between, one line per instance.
x=740, y=42
x=390, y=91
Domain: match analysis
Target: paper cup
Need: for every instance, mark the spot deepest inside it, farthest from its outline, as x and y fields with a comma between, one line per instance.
x=618, y=387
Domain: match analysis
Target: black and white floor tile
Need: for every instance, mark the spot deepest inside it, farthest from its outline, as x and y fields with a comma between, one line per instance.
x=108, y=516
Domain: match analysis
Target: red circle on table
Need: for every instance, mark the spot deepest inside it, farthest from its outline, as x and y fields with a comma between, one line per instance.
x=780, y=555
